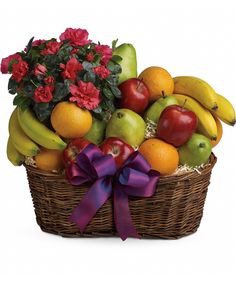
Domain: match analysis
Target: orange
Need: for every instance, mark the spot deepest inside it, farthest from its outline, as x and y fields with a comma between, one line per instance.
x=158, y=81
x=71, y=121
x=162, y=156
x=49, y=159
x=219, y=132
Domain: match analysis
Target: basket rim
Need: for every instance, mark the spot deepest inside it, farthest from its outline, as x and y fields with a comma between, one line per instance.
x=163, y=179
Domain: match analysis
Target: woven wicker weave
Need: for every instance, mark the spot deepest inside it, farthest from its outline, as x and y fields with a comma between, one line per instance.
x=174, y=211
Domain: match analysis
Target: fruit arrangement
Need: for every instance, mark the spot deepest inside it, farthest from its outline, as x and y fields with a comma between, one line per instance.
x=84, y=117
x=74, y=92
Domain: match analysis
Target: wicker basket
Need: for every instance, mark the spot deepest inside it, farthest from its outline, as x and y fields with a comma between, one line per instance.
x=174, y=211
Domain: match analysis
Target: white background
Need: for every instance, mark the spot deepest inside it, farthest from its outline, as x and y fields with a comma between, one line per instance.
x=185, y=37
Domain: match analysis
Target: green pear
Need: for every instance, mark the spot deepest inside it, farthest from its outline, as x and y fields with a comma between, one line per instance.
x=126, y=125
x=128, y=63
x=154, y=111
x=195, y=151
x=97, y=132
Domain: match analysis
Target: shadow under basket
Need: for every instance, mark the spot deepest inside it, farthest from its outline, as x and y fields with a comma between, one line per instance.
x=174, y=211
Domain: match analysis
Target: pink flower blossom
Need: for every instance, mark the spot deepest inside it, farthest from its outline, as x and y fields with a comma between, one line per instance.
x=38, y=42
x=105, y=51
x=19, y=70
x=43, y=94
x=6, y=62
x=90, y=57
x=86, y=95
x=50, y=80
x=76, y=37
x=52, y=47
x=40, y=70
x=101, y=71
x=72, y=67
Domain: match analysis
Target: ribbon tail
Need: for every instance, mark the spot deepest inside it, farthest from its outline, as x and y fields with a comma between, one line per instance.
x=91, y=202
x=123, y=220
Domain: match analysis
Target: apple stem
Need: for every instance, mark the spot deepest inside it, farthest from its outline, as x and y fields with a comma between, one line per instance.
x=140, y=81
x=201, y=144
x=184, y=102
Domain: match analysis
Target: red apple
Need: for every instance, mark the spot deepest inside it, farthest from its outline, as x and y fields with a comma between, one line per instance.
x=135, y=95
x=118, y=149
x=73, y=149
x=176, y=125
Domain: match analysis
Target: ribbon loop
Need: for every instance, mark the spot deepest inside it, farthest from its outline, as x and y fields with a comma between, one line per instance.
x=133, y=178
x=104, y=166
x=137, y=161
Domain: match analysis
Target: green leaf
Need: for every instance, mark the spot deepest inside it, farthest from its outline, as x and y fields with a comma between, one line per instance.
x=29, y=45
x=51, y=60
x=116, y=91
x=12, y=86
x=17, y=99
x=114, y=67
x=64, y=53
x=82, y=51
x=43, y=110
x=67, y=84
x=22, y=101
x=87, y=65
x=107, y=93
x=116, y=58
x=25, y=104
x=29, y=90
x=110, y=105
x=89, y=77
x=61, y=91
x=97, y=110
x=33, y=55
x=97, y=58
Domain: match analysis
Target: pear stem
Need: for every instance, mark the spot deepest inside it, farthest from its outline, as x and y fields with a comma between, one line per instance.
x=163, y=94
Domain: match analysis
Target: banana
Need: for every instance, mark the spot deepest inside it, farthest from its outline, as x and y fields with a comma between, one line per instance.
x=13, y=155
x=21, y=142
x=197, y=89
x=38, y=132
x=225, y=111
x=206, y=122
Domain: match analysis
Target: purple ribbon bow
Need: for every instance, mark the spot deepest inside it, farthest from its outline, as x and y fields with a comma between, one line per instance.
x=134, y=178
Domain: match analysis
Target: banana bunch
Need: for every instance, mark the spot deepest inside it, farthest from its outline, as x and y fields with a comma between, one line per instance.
x=27, y=134
x=199, y=97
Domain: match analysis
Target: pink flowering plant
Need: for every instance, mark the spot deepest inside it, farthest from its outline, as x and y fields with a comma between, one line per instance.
x=72, y=69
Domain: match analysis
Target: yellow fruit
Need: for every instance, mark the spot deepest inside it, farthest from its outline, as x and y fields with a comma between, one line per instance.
x=158, y=81
x=13, y=155
x=20, y=140
x=71, y=121
x=225, y=110
x=219, y=132
x=37, y=131
x=49, y=159
x=162, y=156
x=197, y=89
